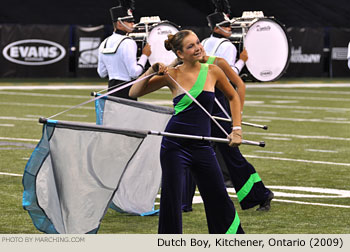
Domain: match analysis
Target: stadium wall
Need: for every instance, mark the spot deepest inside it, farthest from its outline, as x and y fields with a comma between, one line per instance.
x=319, y=31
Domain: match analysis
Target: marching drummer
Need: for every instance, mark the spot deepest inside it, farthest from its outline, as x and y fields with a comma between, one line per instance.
x=118, y=53
x=218, y=43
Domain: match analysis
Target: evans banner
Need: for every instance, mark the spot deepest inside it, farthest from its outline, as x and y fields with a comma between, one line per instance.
x=34, y=51
x=307, y=59
x=87, y=41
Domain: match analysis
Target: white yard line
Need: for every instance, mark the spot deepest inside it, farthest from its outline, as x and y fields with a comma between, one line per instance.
x=267, y=112
x=11, y=174
x=54, y=87
x=317, y=120
x=298, y=160
x=310, y=203
x=157, y=102
x=7, y=125
x=328, y=193
x=294, y=107
x=259, y=120
x=304, y=91
x=270, y=152
x=302, y=112
x=298, y=97
x=325, y=151
x=336, y=118
x=231, y=191
x=283, y=101
x=278, y=138
x=297, y=136
x=42, y=105
x=17, y=118
x=19, y=139
x=44, y=95
x=294, y=85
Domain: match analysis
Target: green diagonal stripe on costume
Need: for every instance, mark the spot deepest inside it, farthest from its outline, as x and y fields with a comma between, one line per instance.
x=234, y=226
x=211, y=60
x=195, y=90
x=243, y=192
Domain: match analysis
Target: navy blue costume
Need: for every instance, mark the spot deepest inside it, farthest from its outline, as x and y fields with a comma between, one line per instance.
x=249, y=187
x=179, y=155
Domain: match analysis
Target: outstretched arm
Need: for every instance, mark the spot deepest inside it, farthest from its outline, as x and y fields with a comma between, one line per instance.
x=234, y=78
x=235, y=106
x=150, y=84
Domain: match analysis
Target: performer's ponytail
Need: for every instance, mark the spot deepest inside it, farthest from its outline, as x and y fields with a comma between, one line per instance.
x=174, y=42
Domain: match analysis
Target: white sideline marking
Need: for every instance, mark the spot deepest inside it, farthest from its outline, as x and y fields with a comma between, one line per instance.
x=271, y=152
x=302, y=112
x=308, y=85
x=259, y=120
x=76, y=115
x=157, y=102
x=11, y=174
x=298, y=97
x=286, y=90
x=267, y=112
x=278, y=138
x=43, y=105
x=313, y=150
x=7, y=125
x=34, y=116
x=19, y=139
x=295, y=107
x=337, y=194
x=32, y=86
x=295, y=119
x=17, y=118
x=298, y=136
x=254, y=102
x=310, y=203
x=284, y=101
x=336, y=118
x=44, y=95
x=329, y=193
x=298, y=160
x=53, y=87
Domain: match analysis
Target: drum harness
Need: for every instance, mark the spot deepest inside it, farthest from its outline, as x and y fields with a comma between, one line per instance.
x=216, y=47
x=113, y=49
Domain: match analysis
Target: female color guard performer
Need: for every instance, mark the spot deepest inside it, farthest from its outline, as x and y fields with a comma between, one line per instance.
x=179, y=154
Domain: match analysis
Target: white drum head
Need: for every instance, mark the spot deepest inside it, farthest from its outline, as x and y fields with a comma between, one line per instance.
x=268, y=50
x=156, y=39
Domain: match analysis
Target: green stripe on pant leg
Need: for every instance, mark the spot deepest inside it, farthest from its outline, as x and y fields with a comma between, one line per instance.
x=243, y=192
x=234, y=226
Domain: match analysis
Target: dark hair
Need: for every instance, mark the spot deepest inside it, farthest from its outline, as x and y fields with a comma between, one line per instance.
x=174, y=42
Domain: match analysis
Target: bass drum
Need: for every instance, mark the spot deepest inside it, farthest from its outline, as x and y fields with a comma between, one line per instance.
x=156, y=37
x=267, y=44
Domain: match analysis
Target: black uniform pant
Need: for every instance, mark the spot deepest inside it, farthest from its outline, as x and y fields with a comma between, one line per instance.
x=123, y=93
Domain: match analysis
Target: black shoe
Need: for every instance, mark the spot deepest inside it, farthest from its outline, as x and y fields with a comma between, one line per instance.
x=228, y=183
x=266, y=205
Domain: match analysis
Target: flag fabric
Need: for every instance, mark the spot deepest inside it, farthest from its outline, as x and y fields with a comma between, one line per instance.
x=144, y=171
x=74, y=173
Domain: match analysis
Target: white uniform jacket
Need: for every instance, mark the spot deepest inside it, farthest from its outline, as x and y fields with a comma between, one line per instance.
x=117, y=58
x=222, y=47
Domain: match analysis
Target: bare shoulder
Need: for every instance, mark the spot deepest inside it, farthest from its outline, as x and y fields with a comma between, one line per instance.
x=173, y=72
x=214, y=69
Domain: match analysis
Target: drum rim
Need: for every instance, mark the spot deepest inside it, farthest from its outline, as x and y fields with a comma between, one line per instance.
x=165, y=21
x=289, y=41
x=178, y=28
